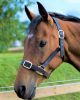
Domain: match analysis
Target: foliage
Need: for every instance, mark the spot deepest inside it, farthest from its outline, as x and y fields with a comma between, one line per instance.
x=11, y=28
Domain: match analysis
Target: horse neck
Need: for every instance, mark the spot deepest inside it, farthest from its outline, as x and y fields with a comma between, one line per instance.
x=72, y=42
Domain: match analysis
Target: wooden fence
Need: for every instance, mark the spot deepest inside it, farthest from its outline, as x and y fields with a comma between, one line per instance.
x=45, y=91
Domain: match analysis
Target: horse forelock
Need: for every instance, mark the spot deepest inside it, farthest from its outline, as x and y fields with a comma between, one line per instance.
x=35, y=22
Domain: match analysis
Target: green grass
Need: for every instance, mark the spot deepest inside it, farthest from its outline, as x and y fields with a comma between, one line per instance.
x=9, y=63
x=64, y=72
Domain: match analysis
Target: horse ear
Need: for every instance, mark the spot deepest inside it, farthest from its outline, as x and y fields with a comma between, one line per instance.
x=29, y=13
x=42, y=11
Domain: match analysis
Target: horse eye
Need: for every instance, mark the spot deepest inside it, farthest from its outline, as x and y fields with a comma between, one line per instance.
x=42, y=43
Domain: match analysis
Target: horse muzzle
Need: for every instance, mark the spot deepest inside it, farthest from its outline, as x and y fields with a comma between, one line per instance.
x=25, y=93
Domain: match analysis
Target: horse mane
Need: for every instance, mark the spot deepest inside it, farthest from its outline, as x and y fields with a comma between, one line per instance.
x=38, y=19
x=65, y=17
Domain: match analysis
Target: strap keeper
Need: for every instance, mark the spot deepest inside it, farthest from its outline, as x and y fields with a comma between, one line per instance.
x=42, y=66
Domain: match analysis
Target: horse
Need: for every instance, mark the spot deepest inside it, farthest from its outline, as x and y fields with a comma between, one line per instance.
x=52, y=38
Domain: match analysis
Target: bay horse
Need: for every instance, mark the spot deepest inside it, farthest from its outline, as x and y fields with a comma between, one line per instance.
x=52, y=38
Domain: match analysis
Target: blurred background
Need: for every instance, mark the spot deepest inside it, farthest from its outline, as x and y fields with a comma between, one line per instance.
x=13, y=29
x=14, y=22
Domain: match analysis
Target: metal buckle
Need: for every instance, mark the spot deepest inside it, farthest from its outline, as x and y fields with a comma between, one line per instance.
x=61, y=36
x=29, y=63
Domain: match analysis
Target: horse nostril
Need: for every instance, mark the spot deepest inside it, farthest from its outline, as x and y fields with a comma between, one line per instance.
x=25, y=93
x=21, y=91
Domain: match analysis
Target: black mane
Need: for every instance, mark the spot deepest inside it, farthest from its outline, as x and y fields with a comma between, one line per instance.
x=65, y=17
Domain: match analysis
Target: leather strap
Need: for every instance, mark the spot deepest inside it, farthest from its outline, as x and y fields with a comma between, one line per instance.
x=47, y=61
x=37, y=69
x=61, y=37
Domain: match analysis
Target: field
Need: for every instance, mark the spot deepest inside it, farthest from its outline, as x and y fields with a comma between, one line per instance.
x=9, y=63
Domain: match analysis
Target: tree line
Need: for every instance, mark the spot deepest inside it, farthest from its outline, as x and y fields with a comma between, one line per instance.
x=11, y=29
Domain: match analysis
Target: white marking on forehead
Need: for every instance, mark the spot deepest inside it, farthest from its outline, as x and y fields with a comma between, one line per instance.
x=30, y=36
